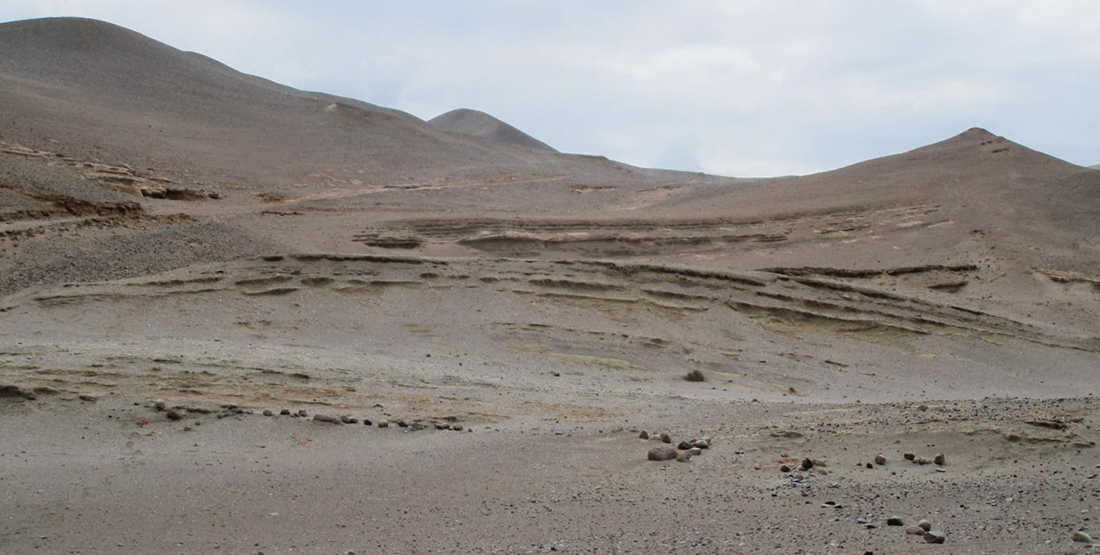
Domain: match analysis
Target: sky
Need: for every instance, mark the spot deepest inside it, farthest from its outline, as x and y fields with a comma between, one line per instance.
x=736, y=87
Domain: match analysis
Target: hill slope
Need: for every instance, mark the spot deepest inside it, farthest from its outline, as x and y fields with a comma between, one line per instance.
x=480, y=124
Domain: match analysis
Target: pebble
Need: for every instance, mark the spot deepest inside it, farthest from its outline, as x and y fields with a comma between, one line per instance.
x=159, y=404
x=174, y=415
x=89, y=398
x=285, y=412
x=784, y=468
x=683, y=456
x=456, y=428
x=895, y=521
x=644, y=435
x=939, y=459
x=416, y=426
x=915, y=530
x=923, y=460
x=303, y=413
x=880, y=459
x=1082, y=537
x=701, y=444
x=924, y=525
x=666, y=437
x=695, y=451
x=684, y=445
x=909, y=456
x=661, y=454
x=934, y=536
x=381, y=423
x=807, y=464
x=268, y=412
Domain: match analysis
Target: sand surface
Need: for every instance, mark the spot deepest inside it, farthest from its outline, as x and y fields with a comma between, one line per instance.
x=172, y=230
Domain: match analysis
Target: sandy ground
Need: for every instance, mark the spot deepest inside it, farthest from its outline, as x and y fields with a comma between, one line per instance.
x=172, y=230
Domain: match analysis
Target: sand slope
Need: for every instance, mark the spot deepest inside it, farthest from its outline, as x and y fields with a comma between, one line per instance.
x=480, y=124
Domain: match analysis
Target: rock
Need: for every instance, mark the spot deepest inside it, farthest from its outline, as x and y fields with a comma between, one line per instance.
x=303, y=413
x=348, y=420
x=683, y=456
x=909, y=456
x=915, y=530
x=684, y=445
x=160, y=405
x=268, y=412
x=695, y=376
x=174, y=414
x=327, y=418
x=869, y=466
x=401, y=423
x=416, y=426
x=285, y=412
x=701, y=444
x=707, y=440
x=367, y=422
x=784, y=468
x=880, y=459
x=88, y=398
x=1082, y=537
x=644, y=435
x=934, y=536
x=662, y=453
x=695, y=451
x=456, y=428
x=939, y=459
x=666, y=437
x=895, y=521
x=381, y=423
x=807, y=464
x=924, y=460
x=924, y=525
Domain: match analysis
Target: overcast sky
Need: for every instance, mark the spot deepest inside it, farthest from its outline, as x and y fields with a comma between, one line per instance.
x=737, y=87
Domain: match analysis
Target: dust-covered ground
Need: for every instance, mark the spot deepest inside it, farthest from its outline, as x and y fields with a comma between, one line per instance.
x=252, y=319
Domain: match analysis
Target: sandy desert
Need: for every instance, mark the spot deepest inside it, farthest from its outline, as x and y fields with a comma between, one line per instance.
x=238, y=317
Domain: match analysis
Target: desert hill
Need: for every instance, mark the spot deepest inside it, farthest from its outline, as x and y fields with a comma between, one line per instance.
x=480, y=124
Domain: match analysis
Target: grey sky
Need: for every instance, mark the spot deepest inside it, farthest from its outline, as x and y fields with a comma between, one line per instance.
x=754, y=87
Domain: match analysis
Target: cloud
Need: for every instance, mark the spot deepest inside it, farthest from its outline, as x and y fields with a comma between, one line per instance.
x=749, y=87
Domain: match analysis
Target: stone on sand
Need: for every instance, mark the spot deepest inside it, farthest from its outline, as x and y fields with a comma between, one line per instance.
x=880, y=459
x=174, y=414
x=683, y=456
x=160, y=405
x=328, y=418
x=1082, y=537
x=662, y=453
x=934, y=536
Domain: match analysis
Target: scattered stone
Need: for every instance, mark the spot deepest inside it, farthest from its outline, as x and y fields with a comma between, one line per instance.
x=401, y=423
x=285, y=412
x=346, y=419
x=880, y=459
x=934, y=536
x=367, y=422
x=1082, y=537
x=909, y=456
x=381, y=423
x=684, y=445
x=700, y=444
x=784, y=468
x=924, y=525
x=416, y=426
x=869, y=466
x=683, y=456
x=174, y=414
x=88, y=398
x=923, y=460
x=662, y=453
x=303, y=413
x=695, y=451
x=160, y=405
x=456, y=428
x=326, y=418
x=914, y=530
x=807, y=464
x=666, y=437
x=268, y=412
x=895, y=521
x=707, y=440
x=939, y=459
x=644, y=435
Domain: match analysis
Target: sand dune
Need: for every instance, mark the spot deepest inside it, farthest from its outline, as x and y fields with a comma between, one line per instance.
x=173, y=230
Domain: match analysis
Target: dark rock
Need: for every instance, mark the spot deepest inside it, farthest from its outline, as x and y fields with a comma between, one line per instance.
x=924, y=525
x=381, y=423
x=880, y=459
x=784, y=468
x=934, y=536
x=695, y=376
x=644, y=435
x=939, y=459
x=895, y=521
x=174, y=414
x=268, y=412
x=807, y=464
x=666, y=437
x=285, y=412
x=910, y=456
x=684, y=445
x=303, y=413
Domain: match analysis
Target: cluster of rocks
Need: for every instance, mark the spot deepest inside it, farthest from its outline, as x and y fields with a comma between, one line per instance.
x=177, y=413
x=806, y=465
x=683, y=451
x=939, y=459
